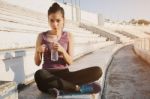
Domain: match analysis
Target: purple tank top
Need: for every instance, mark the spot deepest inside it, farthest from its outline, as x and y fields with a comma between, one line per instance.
x=61, y=63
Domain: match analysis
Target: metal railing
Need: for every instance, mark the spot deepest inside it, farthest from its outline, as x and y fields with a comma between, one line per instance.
x=142, y=43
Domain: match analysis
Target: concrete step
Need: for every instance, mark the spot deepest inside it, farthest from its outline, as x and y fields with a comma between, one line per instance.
x=15, y=25
x=37, y=95
x=101, y=31
x=127, y=34
x=20, y=17
x=8, y=90
x=21, y=11
x=32, y=92
x=10, y=39
x=77, y=30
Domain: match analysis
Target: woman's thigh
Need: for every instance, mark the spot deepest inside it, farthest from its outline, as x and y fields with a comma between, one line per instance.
x=82, y=76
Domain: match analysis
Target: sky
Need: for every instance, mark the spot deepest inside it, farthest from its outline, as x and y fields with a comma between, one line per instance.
x=117, y=9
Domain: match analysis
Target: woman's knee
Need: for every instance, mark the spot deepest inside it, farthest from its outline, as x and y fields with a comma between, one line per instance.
x=37, y=75
x=40, y=74
x=39, y=79
x=97, y=72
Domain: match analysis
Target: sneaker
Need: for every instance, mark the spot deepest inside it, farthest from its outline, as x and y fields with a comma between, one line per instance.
x=53, y=92
x=90, y=88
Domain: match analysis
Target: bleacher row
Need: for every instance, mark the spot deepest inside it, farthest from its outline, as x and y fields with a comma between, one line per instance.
x=123, y=38
x=130, y=30
x=19, y=29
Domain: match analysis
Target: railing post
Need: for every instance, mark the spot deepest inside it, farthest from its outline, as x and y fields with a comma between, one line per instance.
x=100, y=19
x=140, y=43
x=144, y=43
x=149, y=43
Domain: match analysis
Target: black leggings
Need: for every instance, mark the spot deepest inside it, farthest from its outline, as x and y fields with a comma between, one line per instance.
x=64, y=79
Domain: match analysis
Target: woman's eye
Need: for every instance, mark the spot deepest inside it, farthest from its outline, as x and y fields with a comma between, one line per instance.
x=52, y=20
x=58, y=20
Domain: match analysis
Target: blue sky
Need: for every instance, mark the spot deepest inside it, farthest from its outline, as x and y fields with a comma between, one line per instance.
x=117, y=9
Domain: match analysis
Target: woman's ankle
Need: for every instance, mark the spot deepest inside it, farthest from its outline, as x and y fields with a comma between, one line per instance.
x=77, y=88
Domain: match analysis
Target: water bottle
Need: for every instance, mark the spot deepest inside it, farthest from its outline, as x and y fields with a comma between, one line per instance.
x=54, y=53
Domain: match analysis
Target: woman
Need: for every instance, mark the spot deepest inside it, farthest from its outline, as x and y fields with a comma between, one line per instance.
x=55, y=74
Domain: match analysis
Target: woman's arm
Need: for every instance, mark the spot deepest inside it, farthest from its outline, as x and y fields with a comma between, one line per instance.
x=68, y=56
x=38, y=53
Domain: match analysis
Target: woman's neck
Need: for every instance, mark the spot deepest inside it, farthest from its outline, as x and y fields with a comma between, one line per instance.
x=57, y=33
x=53, y=32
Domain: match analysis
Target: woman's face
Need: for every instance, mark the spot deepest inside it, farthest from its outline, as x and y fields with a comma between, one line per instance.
x=56, y=21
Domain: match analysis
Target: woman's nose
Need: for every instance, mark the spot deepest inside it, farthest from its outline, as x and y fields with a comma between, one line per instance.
x=55, y=24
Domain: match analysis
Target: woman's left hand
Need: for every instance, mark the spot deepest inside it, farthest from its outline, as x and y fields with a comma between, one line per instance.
x=58, y=47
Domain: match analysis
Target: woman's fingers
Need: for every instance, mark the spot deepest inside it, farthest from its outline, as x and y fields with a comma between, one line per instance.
x=55, y=44
x=55, y=47
x=58, y=47
x=43, y=48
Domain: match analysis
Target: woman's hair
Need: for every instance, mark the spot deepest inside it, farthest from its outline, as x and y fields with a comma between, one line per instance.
x=55, y=8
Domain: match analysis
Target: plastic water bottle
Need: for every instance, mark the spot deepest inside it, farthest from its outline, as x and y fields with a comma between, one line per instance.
x=54, y=53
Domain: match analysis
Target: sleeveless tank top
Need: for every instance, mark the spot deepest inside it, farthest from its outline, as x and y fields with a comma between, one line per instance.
x=61, y=63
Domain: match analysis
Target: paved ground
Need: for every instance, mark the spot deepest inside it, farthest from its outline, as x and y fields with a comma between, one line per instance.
x=127, y=77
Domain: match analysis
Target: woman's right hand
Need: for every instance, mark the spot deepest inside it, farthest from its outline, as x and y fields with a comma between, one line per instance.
x=42, y=48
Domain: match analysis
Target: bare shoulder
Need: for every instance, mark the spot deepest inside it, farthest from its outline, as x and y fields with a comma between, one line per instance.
x=70, y=35
x=39, y=37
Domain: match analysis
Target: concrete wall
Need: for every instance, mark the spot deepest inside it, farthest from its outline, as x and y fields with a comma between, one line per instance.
x=89, y=17
x=17, y=65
